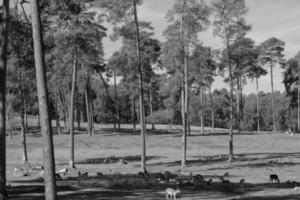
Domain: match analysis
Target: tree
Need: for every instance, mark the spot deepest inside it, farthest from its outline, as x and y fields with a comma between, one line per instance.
x=290, y=78
x=271, y=53
x=48, y=150
x=78, y=39
x=122, y=12
x=229, y=24
x=187, y=18
x=3, y=63
x=242, y=55
x=203, y=70
x=255, y=72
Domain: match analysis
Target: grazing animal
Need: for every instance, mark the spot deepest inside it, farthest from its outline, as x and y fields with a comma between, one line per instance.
x=171, y=193
x=209, y=182
x=242, y=181
x=274, y=178
x=145, y=174
x=18, y=171
x=63, y=171
x=58, y=177
x=223, y=180
x=198, y=180
x=296, y=188
x=226, y=174
x=99, y=174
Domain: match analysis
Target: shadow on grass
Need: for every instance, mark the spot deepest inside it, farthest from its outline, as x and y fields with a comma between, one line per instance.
x=132, y=187
x=114, y=159
x=112, y=132
x=267, y=160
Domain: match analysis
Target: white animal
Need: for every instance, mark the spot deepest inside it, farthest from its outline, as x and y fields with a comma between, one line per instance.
x=296, y=188
x=171, y=193
x=62, y=171
x=18, y=171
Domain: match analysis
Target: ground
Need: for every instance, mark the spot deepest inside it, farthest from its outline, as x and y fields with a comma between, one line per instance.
x=256, y=157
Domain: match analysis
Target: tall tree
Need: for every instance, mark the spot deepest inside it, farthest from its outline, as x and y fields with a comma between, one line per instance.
x=271, y=53
x=187, y=18
x=255, y=72
x=48, y=150
x=290, y=78
x=230, y=23
x=4, y=13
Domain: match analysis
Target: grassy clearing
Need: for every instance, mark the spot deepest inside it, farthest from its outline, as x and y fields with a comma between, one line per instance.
x=257, y=156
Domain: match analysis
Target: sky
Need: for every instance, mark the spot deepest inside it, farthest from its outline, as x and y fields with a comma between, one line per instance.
x=269, y=18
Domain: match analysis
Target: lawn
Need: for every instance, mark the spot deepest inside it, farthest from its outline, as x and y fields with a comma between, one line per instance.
x=256, y=157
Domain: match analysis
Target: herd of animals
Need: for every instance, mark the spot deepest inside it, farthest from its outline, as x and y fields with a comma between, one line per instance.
x=196, y=181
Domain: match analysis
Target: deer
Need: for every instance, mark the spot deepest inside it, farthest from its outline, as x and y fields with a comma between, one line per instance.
x=171, y=193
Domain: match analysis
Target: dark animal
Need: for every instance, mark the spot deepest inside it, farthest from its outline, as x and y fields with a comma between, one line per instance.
x=274, y=178
x=99, y=174
x=198, y=181
x=224, y=180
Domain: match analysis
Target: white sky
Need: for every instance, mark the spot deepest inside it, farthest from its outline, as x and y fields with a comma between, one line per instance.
x=269, y=18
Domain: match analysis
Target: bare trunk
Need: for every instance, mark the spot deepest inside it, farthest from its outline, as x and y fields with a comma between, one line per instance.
x=273, y=101
x=92, y=116
x=38, y=120
x=212, y=110
x=3, y=65
x=298, y=90
x=78, y=115
x=142, y=106
x=238, y=105
x=185, y=90
x=117, y=102
x=65, y=109
x=48, y=150
x=57, y=115
x=151, y=108
x=71, y=116
x=202, y=108
x=87, y=105
x=133, y=114
x=257, y=106
x=23, y=127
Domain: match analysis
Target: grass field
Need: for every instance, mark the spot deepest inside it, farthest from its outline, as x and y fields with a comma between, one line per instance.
x=256, y=156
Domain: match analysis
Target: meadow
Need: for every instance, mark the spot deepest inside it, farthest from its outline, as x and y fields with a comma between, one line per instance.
x=117, y=156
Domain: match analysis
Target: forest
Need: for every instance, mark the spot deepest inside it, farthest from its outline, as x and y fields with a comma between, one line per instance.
x=53, y=69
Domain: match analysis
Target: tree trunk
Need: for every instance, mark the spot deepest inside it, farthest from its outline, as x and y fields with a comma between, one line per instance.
x=65, y=109
x=257, y=106
x=298, y=91
x=38, y=120
x=71, y=116
x=212, y=110
x=238, y=105
x=78, y=115
x=87, y=105
x=202, y=108
x=92, y=116
x=142, y=106
x=151, y=108
x=273, y=101
x=133, y=114
x=3, y=65
x=117, y=102
x=48, y=150
x=290, y=117
x=23, y=127
x=185, y=90
x=57, y=115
